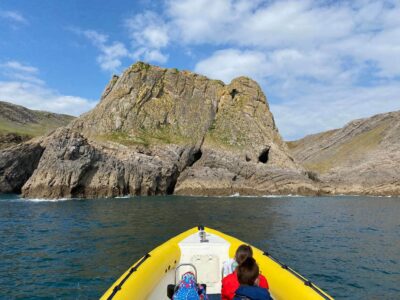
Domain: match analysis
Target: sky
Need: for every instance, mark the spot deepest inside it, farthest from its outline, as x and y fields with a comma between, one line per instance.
x=320, y=63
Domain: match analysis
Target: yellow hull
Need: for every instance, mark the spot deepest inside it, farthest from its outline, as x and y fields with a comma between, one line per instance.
x=148, y=278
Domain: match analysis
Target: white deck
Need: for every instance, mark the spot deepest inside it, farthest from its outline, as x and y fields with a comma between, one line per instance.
x=208, y=258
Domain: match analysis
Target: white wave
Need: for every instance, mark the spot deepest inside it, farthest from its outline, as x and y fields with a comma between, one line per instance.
x=282, y=196
x=264, y=196
x=235, y=195
x=123, y=197
x=360, y=196
x=44, y=200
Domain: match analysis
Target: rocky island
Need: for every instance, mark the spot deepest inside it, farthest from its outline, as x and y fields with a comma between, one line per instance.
x=162, y=131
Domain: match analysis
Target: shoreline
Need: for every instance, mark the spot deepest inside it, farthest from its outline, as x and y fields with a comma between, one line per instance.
x=19, y=198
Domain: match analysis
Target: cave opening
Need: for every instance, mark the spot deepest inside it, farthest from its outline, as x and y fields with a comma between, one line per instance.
x=264, y=156
x=173, y=180
x=171, y=186
x=233, y=93
x=195, y=157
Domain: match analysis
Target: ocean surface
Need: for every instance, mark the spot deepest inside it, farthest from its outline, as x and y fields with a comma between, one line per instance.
x=75, y=249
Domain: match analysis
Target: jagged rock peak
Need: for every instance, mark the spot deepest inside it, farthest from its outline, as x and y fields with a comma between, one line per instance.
x=148, y=104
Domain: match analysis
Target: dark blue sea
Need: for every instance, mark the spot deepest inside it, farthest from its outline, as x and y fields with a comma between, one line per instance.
x=75, y=249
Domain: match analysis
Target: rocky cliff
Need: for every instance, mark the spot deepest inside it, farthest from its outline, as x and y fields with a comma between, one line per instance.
x=363, y=157
x=19, y=124
x=162, y=131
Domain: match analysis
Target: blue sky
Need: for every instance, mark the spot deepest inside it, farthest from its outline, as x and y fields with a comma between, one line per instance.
x=320, y=63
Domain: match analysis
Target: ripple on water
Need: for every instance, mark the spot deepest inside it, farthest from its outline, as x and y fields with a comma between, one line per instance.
x=349, y=246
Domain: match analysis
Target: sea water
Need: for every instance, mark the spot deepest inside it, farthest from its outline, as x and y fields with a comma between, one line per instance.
x=75, y=249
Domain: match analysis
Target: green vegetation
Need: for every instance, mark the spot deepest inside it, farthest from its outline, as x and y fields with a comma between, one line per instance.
x=19, y=124
x=292, y=144
x=146, y=137
x=42, y=127
x=212, y=126
x=123, y=139
x=229, y=130
x=141, y=65
x=220, y=134
x=219, y=82
x=352, y=149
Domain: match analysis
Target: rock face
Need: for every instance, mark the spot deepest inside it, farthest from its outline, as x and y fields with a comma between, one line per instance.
x=243, y=151
x=19, y=124
x=73, y=166
x=17, y=165
x=361, y=158
x=160, y=131
x=12, y=139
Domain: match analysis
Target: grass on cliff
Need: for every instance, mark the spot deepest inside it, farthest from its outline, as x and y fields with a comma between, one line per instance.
x=25, y=122
x=301, y=143
x=28, y=129
x=353, y=149
x=228, y=131
x=223, y=138
x=146, y=137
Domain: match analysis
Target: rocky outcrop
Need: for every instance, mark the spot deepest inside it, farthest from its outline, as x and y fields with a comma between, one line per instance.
x=223, y=173
x=73, y=166
x=161, y=131
x=243, y=151
x=12, y=139
x=361, y=158
x=19, y=124
x=17, y=165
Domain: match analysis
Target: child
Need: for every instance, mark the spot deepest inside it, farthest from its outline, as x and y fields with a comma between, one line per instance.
x=188, y=289
x=248, y=275
x=231, y=283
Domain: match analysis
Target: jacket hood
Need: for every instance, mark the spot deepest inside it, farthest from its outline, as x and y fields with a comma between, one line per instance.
x=253, y=292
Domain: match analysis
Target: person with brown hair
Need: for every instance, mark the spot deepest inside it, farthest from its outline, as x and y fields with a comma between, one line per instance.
x=230, y=283
x=248, y=276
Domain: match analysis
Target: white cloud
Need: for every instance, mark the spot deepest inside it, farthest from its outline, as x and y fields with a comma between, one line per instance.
x=208, y=26
x=18, y=71
x=17, y=66
x=23, y=87
x=110, y=59
x=282, y=64
x=13, y=16
x=245, y=23
x=150, y=55
x=367, y=31
x=332, y=107
x=230, y=63
x=148, y=29
x=111, y=53
x=149, y=34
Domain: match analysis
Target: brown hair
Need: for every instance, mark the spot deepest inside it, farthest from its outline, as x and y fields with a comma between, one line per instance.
x=243, y=252
x=248, y=272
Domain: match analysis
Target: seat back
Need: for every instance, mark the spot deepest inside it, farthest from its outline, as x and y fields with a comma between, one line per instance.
x=208, y=269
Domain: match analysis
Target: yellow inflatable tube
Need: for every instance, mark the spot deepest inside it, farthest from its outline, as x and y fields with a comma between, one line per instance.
x=139, y=281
